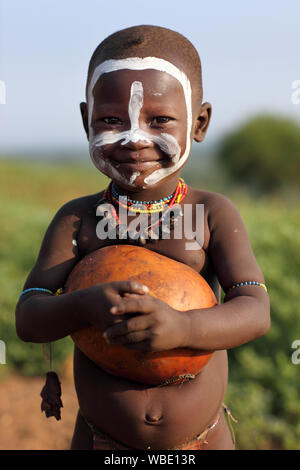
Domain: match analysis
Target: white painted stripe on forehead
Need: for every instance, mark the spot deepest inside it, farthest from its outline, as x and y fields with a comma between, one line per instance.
x=138, y=63
x=145, y=63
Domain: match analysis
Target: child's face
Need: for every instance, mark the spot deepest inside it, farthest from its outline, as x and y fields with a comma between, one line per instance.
x=139, y=125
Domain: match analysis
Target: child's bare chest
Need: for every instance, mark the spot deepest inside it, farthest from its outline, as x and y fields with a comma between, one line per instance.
x=187, y=245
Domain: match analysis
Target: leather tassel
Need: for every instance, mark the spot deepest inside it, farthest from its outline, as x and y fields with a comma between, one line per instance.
x=51, y=393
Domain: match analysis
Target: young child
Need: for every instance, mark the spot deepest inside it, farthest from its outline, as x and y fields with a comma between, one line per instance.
x=144, y=108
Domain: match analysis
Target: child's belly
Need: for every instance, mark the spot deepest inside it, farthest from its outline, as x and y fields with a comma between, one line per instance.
x=143, y=416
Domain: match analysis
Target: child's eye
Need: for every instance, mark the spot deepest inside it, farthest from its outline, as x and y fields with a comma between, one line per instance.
x=161, y=120
x=111, y=120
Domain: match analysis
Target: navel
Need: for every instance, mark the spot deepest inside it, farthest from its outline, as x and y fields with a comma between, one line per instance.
x=153, y=418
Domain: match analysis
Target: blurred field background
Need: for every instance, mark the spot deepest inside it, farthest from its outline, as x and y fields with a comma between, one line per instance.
x=250, y=61
x=264, y=384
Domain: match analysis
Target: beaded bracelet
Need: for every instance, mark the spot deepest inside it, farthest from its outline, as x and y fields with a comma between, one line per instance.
x=248, y=283
x=59, y=291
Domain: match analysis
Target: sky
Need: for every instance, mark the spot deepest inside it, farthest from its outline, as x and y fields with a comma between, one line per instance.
x=249, y=51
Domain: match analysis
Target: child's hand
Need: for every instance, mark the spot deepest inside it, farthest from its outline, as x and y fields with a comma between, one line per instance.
x=159, y=327
x=99, y=299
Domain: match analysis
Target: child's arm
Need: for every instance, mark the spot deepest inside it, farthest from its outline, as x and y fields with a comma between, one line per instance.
x=245, y=313
x=42, y=317
x=244, y=316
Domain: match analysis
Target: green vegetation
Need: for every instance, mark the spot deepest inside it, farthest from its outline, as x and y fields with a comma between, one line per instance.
x=264, y=386
x=264, y=154
x=264, y=383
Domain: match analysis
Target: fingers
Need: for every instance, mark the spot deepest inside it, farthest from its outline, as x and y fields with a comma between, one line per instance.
x=132, y=287
x=131, y=338
x=141, y=345
x=133, y=304
x=132, y=328
x=128, y=294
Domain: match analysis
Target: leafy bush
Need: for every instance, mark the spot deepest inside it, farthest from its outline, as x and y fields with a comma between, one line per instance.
x=263, y=154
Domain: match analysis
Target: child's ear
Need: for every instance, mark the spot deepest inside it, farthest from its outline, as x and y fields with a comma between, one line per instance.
x=202, y=122
x=84, y=115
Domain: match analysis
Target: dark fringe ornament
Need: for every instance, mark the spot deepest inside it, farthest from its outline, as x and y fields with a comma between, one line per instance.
x=51, y=393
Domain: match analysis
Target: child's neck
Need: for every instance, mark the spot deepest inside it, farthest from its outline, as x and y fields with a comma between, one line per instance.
x=160, y=191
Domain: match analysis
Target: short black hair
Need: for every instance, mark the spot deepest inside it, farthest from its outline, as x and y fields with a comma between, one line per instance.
x=155, y=41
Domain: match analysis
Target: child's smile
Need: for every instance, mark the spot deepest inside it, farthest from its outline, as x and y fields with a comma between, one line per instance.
x=138, y=126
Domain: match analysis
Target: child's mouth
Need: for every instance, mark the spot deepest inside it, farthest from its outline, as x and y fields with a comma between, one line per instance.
x=136, y=164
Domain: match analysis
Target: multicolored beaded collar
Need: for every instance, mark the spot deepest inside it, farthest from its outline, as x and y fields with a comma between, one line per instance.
x=163, y=206
x=139, y=206
x=148, y=207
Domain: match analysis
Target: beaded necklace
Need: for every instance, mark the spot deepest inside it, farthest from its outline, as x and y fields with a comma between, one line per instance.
x=114, y=197
x=163, y=206
x=139, y=206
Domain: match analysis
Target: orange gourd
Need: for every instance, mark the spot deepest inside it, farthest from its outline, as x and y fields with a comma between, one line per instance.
x=171, y=281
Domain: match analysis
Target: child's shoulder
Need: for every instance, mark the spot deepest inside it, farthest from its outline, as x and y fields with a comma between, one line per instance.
x=220, y=212
x=72, y=215
x=212, y=201
x=81, y=205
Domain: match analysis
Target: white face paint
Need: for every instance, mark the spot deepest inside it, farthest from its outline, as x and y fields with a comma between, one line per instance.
x=133, y=176
x=134, y=109
x=165, y=141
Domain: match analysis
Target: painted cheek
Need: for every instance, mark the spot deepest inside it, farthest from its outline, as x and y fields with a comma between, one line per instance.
x=169, y=145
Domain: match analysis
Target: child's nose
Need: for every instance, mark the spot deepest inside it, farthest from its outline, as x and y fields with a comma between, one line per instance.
x=138, y=144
